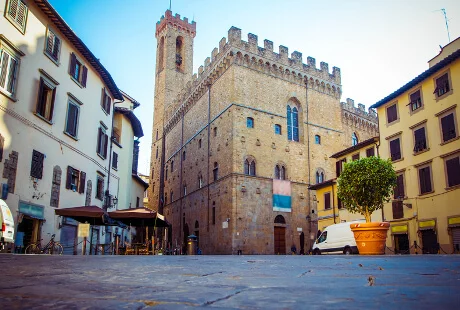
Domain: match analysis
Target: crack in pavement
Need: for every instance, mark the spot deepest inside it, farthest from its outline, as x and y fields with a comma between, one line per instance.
x=303, y=273
x=220, y=299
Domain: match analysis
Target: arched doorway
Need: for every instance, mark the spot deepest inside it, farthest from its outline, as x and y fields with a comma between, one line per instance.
x=280, y=235
x=186, y=234
x=302, y=243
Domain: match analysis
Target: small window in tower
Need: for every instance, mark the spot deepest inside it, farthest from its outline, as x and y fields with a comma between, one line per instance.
x=179, y=53
x=250, y=122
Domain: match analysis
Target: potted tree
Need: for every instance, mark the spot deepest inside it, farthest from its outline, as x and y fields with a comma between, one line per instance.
x=363, y=187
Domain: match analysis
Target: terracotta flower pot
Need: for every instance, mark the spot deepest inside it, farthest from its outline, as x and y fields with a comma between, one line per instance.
x=370, y=237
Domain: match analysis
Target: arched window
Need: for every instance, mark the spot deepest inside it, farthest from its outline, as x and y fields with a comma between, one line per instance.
x=279, y=219
x=215, y=131
x=156, y=156
x=250, y=122
x=183, y=155
x=293, y=123
x=179, y=54
x=171, y=195
x=166, y=173
x=185, y=189
x=280, y=172
x=250, y=166
x=354, y=139
x=199, y=144
x=277, y=129
x=317, y=139
x=320, y=175
x=215, y=171
x=172, y=165
x=161, y=55
x=157, y=135
x=200, y=181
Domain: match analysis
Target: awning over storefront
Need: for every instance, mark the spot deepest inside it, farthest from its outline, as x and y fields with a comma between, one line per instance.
x=31, y=210
x=426, y=225
x=399, y=229
x=453, y=221
x=88, y=214
x=139, y=217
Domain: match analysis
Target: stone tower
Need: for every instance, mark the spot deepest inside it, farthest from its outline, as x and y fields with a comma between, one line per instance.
x=174, y=66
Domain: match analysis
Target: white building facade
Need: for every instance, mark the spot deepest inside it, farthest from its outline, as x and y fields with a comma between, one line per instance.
x=56, y=113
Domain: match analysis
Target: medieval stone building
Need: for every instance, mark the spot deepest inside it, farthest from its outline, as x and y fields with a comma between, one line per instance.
x=224, y=138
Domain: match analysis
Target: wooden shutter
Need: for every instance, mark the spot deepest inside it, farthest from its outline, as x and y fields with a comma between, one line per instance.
x=420, y=140
x=84, y=76
x=453, y=171
x=339, y=203
x=425, y=180
x=370, y=152
x=72, y=120
x=395, y=149
x=50, y=43
x=392, y=113
x=99, y=142
x=337, y=168
x=415, y=97
x=398, y=212
x=399, y=189
x=115, y=160
x=1, y=147
x=22, y=14
x=81, y=185
x=4, y=68
x=327, y=201
x=355, y=157
x=106, y=142
x=442, y=85
x=13, y=9
x=448, y=127
x=68, y=181
x=57, y=46
x=73, y=63
x=36, y=170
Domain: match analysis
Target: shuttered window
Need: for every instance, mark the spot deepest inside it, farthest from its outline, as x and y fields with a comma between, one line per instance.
x=75, y=180
x=36, y=169
x=45, y=101
x=17, y=14
x=392, y=113
x=370, y=152
x=102, y=142
x=395, y=149
x=106, y=101
x=442, y=85
x=73, y=112
x=115, y=161
x=8, y=71
x=453, y=171
x=355, y=157
x=399, y=189
x=339, y=165
x=292, y=124
x=448, y=127
x=415, y=100
x=420, y=140
x=100, y=188
x=339, y=203
x=53, y=45
x=327, y=201
x=398, y=212
x=136, y=157
x=77, y=70
x=424, y=175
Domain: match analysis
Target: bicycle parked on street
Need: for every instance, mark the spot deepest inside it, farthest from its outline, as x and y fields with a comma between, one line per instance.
x=52, y=247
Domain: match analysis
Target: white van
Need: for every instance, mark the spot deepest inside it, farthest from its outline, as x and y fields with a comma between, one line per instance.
x=7, y=228
x=336, y=239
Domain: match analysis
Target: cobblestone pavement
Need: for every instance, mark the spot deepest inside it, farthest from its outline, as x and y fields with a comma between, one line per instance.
x=228, y=282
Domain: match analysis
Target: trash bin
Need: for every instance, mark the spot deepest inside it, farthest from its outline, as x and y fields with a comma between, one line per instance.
x=191, y=245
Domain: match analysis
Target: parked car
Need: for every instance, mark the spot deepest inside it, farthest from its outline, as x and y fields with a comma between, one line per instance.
x=7, y=228
x=336, y=239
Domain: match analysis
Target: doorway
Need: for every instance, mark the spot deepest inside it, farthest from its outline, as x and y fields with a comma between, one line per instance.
x=280, y=240
x=26, y=230
x=401, y=244
x=69, y=239
x=429, y=242
x=302, y=243
x=197, y=234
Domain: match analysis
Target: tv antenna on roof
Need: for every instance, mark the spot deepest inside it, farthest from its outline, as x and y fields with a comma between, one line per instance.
x=170, y=8
x=447, y=21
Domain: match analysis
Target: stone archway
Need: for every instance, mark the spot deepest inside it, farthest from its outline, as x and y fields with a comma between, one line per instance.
x=279, y=235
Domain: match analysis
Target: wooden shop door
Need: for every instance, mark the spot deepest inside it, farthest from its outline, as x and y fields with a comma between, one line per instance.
x=280, y=240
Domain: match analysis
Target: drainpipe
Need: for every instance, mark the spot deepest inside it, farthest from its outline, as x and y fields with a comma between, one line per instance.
x=333, y=202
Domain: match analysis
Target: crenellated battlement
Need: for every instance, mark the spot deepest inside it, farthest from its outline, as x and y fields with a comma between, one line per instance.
x=263, y=59
x=358, y=115
x=176, y=22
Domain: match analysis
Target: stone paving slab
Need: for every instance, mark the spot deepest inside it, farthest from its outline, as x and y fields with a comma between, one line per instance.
x=229, y=282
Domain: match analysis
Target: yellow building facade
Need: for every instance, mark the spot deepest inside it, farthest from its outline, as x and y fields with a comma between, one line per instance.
x=330, y=209
x=419, y=131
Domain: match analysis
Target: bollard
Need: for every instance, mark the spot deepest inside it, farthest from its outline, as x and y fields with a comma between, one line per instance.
x=117, y=244
x=191, y=245
x=83, y=248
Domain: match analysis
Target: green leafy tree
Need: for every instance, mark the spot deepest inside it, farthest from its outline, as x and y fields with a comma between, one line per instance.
x=365, y=184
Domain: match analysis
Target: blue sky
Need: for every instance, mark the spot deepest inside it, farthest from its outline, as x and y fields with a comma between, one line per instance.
x=378, y=45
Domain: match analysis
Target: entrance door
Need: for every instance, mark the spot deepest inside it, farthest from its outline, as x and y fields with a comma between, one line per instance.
x=69, y=239
x=27, y=227
x=429, y=242
x=401, y=244
x=94, y=240
x=456, y=239
x=280, y=240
